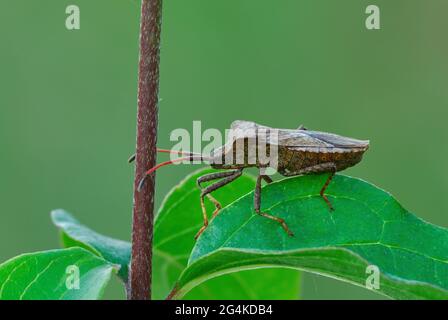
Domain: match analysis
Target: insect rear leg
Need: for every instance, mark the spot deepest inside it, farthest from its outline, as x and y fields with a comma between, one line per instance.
x=227, y=177
x=257, y=205
x=322, y=191
x=319, y=168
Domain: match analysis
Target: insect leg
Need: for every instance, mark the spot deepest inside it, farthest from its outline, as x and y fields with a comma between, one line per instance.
x=211, y=177
x=267, y=179
x=227, y=177
x=257, y=205
x=322, y=191
x=206, y=178
x=319, y=168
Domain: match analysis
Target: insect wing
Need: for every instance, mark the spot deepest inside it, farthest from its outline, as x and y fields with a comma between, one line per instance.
x=338, y=141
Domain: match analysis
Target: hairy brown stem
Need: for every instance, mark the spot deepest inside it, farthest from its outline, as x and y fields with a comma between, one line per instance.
x=139, y=285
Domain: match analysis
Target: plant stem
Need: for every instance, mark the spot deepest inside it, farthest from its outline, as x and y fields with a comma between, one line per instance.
x=139, y=286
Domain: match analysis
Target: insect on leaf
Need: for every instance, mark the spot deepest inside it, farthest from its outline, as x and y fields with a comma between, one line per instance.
x=368, y=228
x=178, y=221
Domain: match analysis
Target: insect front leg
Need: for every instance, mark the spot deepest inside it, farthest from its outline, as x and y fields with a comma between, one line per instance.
x=227, y=177
x=257, y=206
x=211, y=177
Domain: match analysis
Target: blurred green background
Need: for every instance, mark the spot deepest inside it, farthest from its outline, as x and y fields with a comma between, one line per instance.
x=68, y=100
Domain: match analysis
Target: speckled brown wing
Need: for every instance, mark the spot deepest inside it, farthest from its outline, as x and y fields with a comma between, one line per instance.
x=282, y=137
x=297, y=139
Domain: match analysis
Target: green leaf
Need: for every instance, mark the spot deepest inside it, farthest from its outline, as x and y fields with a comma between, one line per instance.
x=177, y=221
x=74, y=234
x=368, y=227
x=257, y=284
x=45, y=275
x=179, y=218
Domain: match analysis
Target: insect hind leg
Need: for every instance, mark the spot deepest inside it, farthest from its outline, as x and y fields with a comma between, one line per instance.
x=319, y=168
x=325, y=186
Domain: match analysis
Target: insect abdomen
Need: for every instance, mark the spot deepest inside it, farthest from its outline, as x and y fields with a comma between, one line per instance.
x=297, y=160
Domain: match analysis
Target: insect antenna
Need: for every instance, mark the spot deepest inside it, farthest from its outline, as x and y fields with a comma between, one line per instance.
x=132, y=157
x=187, y=153
x=162, y=164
